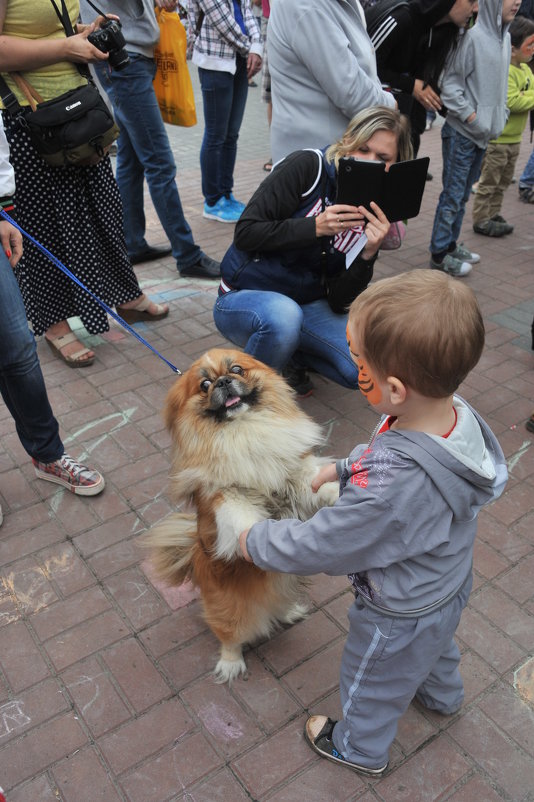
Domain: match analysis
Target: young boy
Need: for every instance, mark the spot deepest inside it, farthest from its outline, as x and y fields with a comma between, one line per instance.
x=502, y=153
x=406, y=519
x=473, y=89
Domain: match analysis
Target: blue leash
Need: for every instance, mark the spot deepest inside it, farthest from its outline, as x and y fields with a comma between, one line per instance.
x=104, y=306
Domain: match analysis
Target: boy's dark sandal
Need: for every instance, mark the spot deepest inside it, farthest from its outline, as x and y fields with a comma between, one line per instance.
x=318, y=733
x=149, y=253
x=206, y=267
x=530, y=423
x=493, y=228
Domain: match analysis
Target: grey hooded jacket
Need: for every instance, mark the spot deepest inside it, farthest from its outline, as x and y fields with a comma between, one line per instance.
x=405, y=522
x=323, y=71
x=476, y=77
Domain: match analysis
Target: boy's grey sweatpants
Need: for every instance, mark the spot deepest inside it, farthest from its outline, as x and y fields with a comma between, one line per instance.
x=388, y=661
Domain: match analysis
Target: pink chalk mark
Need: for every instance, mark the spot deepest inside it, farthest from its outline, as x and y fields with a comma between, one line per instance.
x=177, y=596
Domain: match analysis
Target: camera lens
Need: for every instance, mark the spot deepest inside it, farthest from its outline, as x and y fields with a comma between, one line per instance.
x=118, y=59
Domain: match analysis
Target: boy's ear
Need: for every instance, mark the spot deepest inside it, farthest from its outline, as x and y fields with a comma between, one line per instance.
x=396, y=390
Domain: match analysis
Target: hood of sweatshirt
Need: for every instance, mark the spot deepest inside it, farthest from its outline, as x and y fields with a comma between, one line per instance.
x=467, y=467
x=432, y=11
x=490, y=18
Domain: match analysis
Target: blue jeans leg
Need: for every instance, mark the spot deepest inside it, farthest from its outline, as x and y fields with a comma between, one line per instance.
x=273, y=328
x=224, y=98
x=144, y=152
x=323, y=344
x=21, y=380
x=527, y=176
x=462, y=160
x=266, y=324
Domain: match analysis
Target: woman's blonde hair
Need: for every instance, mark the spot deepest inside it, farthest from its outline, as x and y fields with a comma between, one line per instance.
x=366, y=123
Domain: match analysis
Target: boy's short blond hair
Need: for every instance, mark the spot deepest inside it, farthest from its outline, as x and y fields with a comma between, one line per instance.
x=423, y=327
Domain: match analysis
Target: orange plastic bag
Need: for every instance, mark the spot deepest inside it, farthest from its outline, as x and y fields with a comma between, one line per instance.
x=172, y=83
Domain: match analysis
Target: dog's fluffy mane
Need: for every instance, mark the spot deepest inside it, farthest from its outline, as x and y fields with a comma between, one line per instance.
x=260, y=447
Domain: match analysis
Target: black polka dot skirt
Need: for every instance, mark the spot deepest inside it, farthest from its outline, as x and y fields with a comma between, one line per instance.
x=76, y=213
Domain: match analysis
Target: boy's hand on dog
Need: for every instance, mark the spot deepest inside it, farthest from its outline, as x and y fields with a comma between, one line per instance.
x=243, y=545
x=327, y=473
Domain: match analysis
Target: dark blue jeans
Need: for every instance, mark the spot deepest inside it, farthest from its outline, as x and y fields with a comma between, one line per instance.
x=224, y=98
x=143, y=151
x=462, y=160
x=273, y=328
x=527, y=176
x=21, y=380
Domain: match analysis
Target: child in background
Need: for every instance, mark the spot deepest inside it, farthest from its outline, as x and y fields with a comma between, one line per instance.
x=473, y=89
x=406, y=519
x=503, y=152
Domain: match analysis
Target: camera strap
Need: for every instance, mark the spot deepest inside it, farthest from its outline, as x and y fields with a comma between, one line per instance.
x=64, y=18
x=111, y=312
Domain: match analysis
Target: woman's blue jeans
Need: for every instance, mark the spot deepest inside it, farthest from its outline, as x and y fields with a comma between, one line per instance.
x=21, y=380
x=274, y=329
x=462, y=160
x=224, y=97
x=144, y=151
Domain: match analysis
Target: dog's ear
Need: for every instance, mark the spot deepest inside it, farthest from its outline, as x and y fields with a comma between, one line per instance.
x=174, y=401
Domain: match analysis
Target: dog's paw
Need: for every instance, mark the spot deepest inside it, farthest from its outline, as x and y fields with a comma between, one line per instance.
x=231, y=664
x=328, y=494
x=229, y=670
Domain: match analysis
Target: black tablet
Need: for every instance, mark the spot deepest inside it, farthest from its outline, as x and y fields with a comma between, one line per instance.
x=398, y=192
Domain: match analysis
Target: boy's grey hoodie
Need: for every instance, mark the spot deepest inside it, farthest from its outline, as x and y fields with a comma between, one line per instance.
x=476, y=77
x=405, y=522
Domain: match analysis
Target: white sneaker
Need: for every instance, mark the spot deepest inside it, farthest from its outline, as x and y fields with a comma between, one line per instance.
x=452, y=266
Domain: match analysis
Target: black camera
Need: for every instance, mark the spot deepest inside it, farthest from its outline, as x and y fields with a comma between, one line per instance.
x=109, y=39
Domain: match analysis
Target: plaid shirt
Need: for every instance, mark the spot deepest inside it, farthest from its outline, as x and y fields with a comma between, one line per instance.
x=220, y=37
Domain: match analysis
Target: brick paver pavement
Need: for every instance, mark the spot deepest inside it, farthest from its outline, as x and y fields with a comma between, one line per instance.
x=106, y=690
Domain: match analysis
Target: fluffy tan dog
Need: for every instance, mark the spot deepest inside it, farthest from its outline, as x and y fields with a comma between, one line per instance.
x=242, y=453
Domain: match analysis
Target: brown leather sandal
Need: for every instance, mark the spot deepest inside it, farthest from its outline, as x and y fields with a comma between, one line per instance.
x=139, y=313
x=72, y=360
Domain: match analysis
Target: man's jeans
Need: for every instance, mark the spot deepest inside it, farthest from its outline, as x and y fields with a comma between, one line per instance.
x=21, y=380
x=273, y=328
x=462, y=160
x=224, y=97
x=143, y=150
x=527, y=176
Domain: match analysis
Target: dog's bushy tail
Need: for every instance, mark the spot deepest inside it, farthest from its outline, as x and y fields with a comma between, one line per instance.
x=172, y=544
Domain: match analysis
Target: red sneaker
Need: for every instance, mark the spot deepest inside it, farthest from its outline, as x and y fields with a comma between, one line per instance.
x=71, y=474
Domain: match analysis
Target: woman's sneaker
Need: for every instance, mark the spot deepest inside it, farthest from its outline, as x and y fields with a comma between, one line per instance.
x=71, y=474
x=452, y=266
x=299, y=381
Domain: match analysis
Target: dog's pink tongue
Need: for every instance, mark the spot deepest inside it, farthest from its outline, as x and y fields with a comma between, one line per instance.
x=231, y=402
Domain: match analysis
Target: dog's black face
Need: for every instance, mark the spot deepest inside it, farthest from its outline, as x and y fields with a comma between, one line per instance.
x=230, y=394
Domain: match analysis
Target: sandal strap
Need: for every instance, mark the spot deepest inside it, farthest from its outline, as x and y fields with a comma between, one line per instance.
x=75, y=357
x=143, y=306
x=65, y=339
